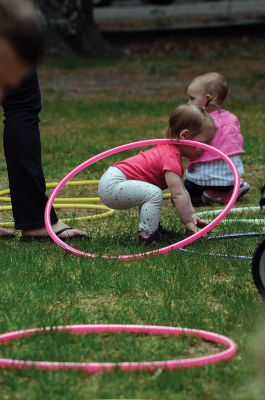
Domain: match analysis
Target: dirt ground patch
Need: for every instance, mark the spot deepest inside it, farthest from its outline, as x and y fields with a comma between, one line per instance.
x=163, y=68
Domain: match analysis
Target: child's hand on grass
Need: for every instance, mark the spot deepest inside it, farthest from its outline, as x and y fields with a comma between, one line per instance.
x=195, y=225
x=200, y=223
x=191, y=228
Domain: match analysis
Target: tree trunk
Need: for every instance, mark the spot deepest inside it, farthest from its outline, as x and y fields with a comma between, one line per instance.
x=71, y=28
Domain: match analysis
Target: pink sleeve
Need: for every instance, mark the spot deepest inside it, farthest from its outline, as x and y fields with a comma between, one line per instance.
x=173, y=163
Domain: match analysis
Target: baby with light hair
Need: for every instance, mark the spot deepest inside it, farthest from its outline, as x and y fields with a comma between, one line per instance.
x=208, y=178
x=139, y=181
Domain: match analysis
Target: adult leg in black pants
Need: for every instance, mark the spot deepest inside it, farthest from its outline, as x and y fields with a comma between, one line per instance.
x=23, y=157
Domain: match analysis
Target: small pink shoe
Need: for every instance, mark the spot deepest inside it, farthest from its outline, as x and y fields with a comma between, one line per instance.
x=210, y=196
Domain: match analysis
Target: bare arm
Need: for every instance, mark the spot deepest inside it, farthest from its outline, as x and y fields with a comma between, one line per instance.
x=181, y=200
x=182, y=203
x=193, y=211
x=200, y=223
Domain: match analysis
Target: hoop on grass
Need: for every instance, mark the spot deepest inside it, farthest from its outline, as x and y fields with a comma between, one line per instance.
x=238, y=210
x=129, y=146
x=224, y=236
x=108, y=212
x=228, y=236
x=94, y=367
x=68, y=200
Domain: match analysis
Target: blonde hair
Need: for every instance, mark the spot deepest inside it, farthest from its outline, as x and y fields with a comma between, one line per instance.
x=186, y=116
x=214, y=84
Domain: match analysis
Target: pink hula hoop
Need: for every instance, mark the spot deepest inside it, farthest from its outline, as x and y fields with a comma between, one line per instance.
x=94, y=367
x=134, y=145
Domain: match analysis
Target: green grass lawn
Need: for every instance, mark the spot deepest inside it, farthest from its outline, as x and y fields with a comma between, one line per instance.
x=89, y=108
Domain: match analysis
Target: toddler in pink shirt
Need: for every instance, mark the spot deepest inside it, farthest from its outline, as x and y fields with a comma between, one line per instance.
x=141, y=179
x=208, y=178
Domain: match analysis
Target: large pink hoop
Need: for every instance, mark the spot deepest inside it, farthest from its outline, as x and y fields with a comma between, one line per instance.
x=94, y=367
x=129, y=146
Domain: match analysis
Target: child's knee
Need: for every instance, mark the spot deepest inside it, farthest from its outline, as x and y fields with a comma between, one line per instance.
x=157, y=196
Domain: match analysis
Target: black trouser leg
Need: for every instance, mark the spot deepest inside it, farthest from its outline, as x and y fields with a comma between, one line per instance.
x=195, y=191
x=22, y=148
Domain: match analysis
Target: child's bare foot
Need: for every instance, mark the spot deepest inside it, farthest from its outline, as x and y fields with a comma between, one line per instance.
x=63, y=231
x=6, y=233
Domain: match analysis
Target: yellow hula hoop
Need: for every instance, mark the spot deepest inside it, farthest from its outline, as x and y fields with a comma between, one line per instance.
x=5, y=200
x=5, y=208
x=4, y=192
x=68, y=202
x=51, y=185
x=65, y=200
x=166, y=196
x=75, y=200
x=108, y=213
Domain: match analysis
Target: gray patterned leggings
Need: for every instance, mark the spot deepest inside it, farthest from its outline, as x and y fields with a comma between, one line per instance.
x=117, y=192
